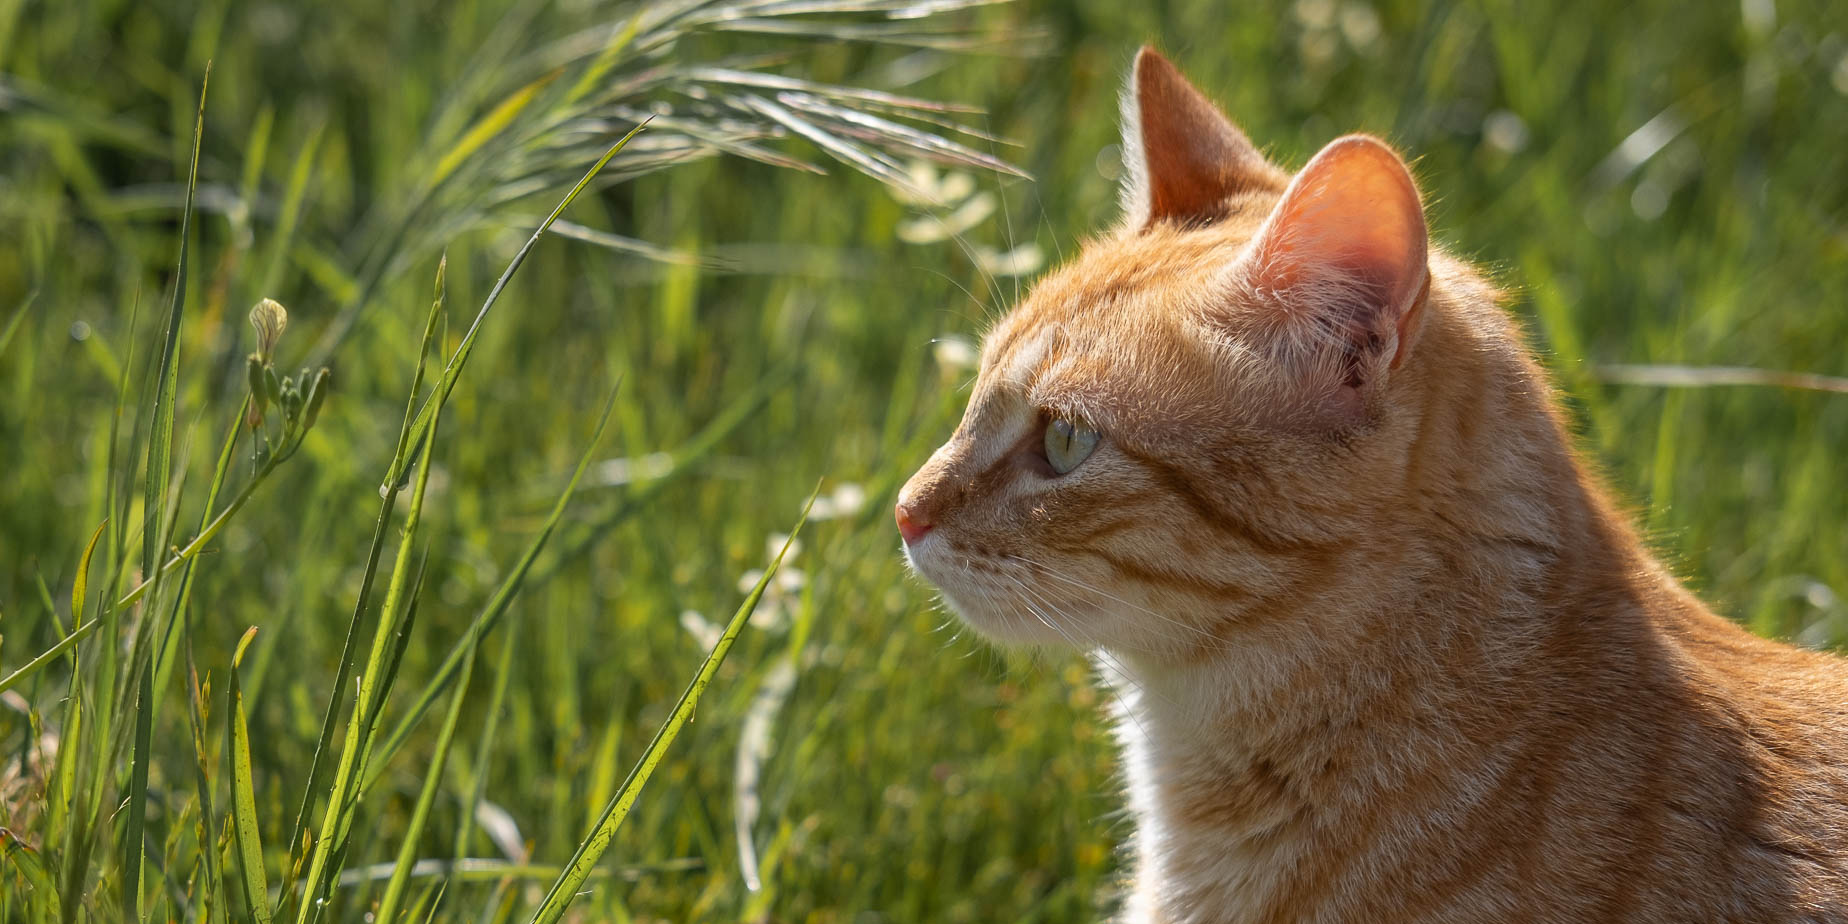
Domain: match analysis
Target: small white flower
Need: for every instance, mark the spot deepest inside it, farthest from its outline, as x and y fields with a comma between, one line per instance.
x=774, y=545
x=1021, y=261
x=771, y=613
x=627, y=471
x=747, y=581
x=1315, y=14
x=1360, y=23
x=930, y=190
x=789, y=581
x=702, y=631
x=1504, y=131
x=785, y=588
x=931, y=228
x=847, y=500
x=954, y=355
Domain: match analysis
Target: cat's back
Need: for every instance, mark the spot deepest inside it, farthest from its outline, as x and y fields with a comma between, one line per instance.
x=1741, y=776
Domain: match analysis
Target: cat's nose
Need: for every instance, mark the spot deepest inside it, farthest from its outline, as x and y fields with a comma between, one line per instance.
x=912, y=522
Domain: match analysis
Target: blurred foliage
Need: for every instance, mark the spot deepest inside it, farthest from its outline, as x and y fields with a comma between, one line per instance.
x=1651, y=182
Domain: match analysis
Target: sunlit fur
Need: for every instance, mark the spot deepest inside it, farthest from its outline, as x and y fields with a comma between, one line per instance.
x=1385, y=650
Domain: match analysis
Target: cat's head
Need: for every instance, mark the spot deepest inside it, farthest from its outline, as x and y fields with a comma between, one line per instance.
x=1200, y=413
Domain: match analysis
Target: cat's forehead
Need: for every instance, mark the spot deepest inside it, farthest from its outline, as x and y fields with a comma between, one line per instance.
x=1110, y=335
x=1117, y=288
x=1118, y=292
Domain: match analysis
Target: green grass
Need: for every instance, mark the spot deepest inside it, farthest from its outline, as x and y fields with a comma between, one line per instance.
x=1656, y=184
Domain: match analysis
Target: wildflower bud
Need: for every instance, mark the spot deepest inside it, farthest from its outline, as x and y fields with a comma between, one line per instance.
x=270, y=319
x=259, y=393
x=291, y=399
x=271, y=386
x=317, y=395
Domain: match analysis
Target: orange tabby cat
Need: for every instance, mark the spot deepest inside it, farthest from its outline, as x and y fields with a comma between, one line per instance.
x=1386, y=651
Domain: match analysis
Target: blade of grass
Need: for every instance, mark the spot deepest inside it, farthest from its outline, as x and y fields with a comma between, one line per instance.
x=484, y=749
x=298, y=837
x=62, y=821
x=407, y=851
x=431, y=896
x=12, y=324
x=139, y=738
x=873, y=163
x=51, y=606
x=134, y=840
x=178, y=619
x=338, y=814
x=211, y=895
x=337, y=820
x=256, y=157
x=88, y=792
x=460, y=655
x=591, y=849
x=593, y=75
x=244, y=796
x=160, y=441
x=157, y=476
x=401, y=641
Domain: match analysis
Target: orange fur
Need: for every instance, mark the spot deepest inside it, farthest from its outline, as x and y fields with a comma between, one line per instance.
x=1385, y=650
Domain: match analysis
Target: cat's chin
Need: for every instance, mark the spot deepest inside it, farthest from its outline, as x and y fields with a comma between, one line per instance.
x=1010, y=629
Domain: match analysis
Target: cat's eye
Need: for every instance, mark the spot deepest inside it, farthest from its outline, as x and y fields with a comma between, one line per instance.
x=1068, y=444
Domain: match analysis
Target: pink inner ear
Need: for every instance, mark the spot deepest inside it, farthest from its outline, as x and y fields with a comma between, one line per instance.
x=1350, y=227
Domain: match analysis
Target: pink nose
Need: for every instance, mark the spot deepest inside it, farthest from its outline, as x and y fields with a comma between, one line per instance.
x=912, y=524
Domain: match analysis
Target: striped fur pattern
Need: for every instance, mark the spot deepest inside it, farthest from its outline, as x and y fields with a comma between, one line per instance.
x=1385, y=650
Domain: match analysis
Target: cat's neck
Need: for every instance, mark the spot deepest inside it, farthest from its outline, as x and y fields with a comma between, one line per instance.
x=1412, y=658
x=1232, y=761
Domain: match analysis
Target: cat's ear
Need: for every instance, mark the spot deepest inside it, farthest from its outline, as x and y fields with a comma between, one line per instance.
x=1182, y=158
x=1344, y=256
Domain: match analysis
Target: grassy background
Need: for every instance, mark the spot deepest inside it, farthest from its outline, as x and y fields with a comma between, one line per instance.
x=1659, y=183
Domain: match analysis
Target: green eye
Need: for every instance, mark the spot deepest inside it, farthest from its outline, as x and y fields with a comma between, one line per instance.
x=1068, y=444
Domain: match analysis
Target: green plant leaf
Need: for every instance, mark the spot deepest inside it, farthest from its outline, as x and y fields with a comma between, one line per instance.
x=244, y=796
x=32, y=869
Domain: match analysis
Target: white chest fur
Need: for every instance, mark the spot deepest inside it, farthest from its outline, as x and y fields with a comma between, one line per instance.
x=1185, y=871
